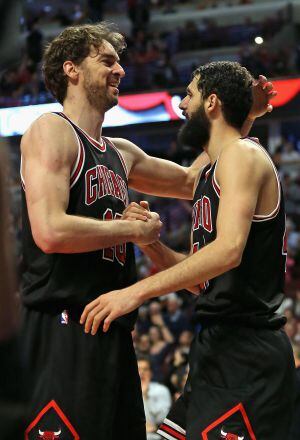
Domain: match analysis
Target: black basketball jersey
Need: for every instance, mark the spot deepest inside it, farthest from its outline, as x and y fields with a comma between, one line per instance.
x=98, y=189
x=252, y=292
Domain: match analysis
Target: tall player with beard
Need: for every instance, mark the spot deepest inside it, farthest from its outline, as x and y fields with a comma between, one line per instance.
x=74, y=179
x=241, y=379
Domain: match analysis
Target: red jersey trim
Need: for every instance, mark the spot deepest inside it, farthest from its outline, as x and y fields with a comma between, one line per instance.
x=59, y=412
x=273, y=214
x=174, y=426
x=120, y=156
x=215, y=184
x=172, y=432
x=237, y=408
x=78, y=167
x=101, y=146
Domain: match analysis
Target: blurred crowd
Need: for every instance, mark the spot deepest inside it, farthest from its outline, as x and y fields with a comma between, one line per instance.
x=154, y=59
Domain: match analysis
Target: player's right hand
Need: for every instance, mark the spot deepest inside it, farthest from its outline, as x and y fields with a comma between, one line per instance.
x=136, y=212
x=149, y=231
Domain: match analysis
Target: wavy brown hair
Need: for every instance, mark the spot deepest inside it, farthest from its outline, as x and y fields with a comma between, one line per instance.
x=74, y=44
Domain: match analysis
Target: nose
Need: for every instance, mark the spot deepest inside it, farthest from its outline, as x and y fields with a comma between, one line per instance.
x=118, y=70
x=183, y=103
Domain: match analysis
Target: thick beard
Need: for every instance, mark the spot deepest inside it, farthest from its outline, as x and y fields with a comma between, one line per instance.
x=97, y=97
x=196, y=131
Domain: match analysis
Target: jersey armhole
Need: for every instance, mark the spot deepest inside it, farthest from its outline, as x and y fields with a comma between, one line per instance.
x=197, y=180
x=121, y=157
x=215, y=183
x=265, y=217
x=79, y=161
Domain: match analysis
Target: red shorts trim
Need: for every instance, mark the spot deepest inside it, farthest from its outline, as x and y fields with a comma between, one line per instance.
x=237, y=408
x=59, y=412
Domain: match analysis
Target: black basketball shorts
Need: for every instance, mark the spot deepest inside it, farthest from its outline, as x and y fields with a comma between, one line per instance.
x=82, y=386
x=240, y=387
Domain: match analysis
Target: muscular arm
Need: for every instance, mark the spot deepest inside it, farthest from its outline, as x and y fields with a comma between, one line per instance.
x=160, y=177
x=161, y=255
x=240, y=179
x=164, y=257
x=49, y=151
x=8, y=303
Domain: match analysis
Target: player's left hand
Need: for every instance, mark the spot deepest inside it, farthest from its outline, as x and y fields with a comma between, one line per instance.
x=106, y=308
x=262, y=91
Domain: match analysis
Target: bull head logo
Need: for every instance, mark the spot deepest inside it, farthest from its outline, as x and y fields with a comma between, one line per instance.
x=228, y=436
x=49, y=435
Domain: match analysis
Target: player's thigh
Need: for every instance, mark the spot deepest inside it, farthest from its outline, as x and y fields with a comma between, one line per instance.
x=129, y=421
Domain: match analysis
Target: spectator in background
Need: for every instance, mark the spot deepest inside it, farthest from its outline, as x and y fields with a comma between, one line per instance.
x=143, y=324
x=165, y=72
x=142, y=346
x=175, y=319
x=161, y=342
x=291, y=189
x=288, y=153
x=95, y=10
x=178, y=362
x=156, y=397
x=139, y=14
x=34, y=42
x=297, y=304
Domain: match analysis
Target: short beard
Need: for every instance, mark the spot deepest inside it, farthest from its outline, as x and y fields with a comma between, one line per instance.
x=196, y=131
x=97, y=97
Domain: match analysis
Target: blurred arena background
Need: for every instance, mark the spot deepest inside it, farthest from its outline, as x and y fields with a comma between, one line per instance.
x=166, y=40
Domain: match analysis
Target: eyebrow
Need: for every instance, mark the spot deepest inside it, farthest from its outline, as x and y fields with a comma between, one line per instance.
x=109, y=56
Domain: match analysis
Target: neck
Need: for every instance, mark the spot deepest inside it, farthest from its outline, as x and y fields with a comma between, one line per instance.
x=86, y=117
x=222, y=135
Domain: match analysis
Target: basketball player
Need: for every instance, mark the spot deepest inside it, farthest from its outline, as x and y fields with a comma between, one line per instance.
x=75, y=246
x=241, y=377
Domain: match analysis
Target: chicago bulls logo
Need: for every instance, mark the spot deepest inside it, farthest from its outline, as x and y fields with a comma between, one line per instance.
x=51, y=423
x=49, y=435
x=227, y=436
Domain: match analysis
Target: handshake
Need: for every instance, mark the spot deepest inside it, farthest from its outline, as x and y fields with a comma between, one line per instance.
x=146, y=224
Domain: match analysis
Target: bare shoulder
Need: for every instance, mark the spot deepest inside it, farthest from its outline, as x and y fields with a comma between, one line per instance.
x=48, y=133
x=244, y=150
x=243, y=158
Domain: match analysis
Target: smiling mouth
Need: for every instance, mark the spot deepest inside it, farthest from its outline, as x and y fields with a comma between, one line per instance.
x=115, y=87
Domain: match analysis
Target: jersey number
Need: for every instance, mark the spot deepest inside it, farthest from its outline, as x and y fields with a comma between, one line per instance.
x=117, y=252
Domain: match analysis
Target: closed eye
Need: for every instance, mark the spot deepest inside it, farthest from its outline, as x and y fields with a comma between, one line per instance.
x=107, y=63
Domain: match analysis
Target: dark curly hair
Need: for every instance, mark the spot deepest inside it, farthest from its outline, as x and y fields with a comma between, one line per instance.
x=74, y=44
x=232, y=83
